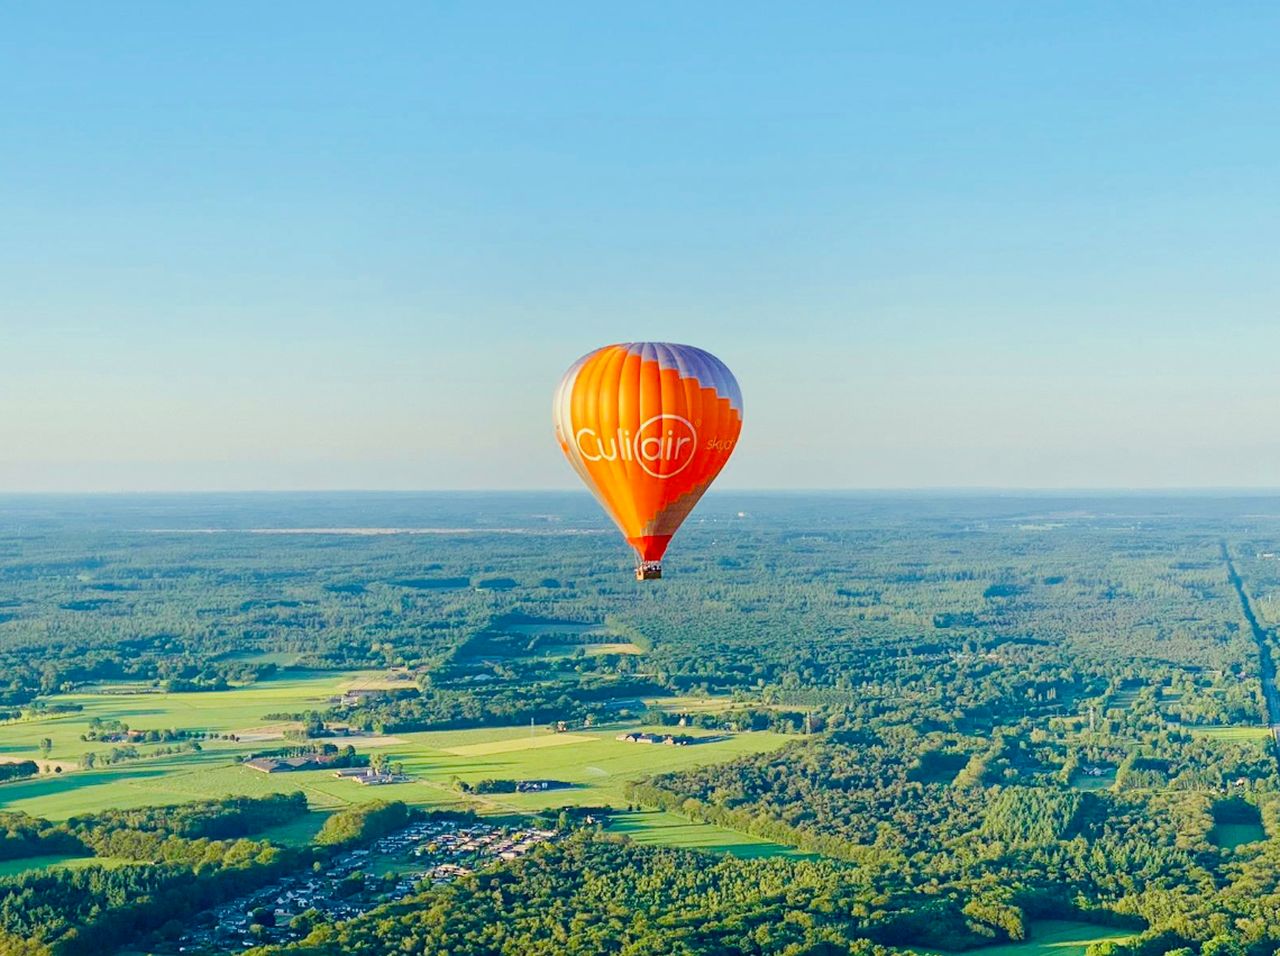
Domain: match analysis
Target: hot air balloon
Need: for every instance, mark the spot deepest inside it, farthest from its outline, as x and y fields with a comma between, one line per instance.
x=648, y=426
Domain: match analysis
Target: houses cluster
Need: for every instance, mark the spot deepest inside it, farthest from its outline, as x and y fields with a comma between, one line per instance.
x=481, y=840
x=433, y=851
x=669, y=740
x=1096, y=771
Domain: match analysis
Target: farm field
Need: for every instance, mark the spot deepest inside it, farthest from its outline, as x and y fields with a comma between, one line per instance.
x=597, y=765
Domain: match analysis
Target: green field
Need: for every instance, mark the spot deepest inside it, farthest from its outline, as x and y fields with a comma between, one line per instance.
x=1055, y=938
x=592, y=650
x=59, y=861
x=1231, y=835
x=229, y=711
x=693, y=703
x=597, y=765
x=668, y=829
x=1082, y=781
x=14, y=867
x=1258, y=735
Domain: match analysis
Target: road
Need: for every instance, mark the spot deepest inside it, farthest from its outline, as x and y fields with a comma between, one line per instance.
x=1264, y=648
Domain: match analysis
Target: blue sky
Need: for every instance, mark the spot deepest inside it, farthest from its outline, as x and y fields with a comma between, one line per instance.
x=942, y=245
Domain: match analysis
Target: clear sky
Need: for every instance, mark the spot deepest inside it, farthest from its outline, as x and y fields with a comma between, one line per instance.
x=309, y=245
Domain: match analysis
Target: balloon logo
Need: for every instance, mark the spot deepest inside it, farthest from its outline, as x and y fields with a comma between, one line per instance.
x=648, y=426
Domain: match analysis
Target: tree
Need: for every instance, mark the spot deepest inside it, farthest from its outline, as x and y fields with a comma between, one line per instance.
x=1221, y=946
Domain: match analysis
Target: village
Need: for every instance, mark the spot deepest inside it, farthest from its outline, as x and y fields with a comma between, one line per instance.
x=423, y=854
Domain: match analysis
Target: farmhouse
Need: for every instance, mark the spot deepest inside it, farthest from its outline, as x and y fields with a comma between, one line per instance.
x=378, y=779
x=368, y=777
x=286, y=764
x=537, y=786
x=265, y=764
x=667, y=739
x=357, y=696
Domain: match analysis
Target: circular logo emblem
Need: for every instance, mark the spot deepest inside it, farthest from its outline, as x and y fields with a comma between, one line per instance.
x=665, y=445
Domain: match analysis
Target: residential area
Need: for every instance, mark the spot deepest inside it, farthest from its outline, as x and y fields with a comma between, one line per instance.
x=424, y=853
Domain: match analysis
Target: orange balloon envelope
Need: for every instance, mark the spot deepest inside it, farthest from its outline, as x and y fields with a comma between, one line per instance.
x=648, y=426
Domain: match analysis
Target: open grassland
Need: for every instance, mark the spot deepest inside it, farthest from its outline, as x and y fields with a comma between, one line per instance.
x=1056, y=938
x=593, y=762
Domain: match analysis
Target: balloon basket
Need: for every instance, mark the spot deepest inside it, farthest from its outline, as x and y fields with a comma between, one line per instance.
x=648, y=570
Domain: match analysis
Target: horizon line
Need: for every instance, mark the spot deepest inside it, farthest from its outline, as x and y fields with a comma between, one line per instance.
x=957, y=490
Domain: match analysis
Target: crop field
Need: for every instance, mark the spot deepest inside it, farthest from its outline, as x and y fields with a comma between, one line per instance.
x=593, y=762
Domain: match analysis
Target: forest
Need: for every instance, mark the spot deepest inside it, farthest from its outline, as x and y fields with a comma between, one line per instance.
x=1001, y=710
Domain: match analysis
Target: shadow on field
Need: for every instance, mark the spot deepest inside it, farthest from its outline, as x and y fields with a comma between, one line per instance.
x=59, y=784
